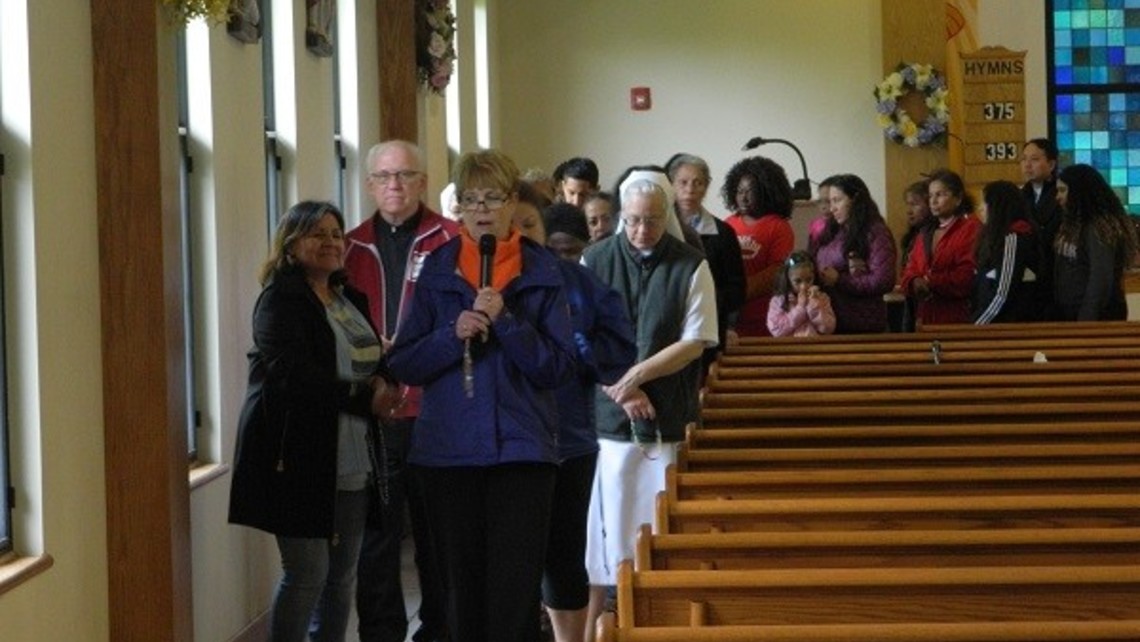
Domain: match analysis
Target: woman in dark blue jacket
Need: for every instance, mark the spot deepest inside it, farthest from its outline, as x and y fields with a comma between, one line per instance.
x=305, y=458
x=1008, y=256
x=485, y=443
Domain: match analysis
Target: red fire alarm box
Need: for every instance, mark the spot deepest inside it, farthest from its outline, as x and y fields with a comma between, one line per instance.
x=640, y=99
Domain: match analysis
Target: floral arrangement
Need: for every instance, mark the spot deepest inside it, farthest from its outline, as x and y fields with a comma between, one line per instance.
x=435, y=44
x=183, y=11
x=897, y=124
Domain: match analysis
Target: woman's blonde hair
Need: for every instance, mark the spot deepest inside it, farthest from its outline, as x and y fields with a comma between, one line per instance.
x=486, y=169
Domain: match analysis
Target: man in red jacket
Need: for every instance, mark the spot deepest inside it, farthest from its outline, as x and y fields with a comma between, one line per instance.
x=383, y=260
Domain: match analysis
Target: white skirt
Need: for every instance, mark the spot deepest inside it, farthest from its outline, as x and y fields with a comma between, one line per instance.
x=626, y=483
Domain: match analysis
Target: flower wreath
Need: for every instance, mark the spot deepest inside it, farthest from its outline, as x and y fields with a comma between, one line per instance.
x=897, y=124
x=435, y=44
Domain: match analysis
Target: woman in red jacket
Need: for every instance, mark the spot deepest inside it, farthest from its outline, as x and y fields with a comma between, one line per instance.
x=939, y=272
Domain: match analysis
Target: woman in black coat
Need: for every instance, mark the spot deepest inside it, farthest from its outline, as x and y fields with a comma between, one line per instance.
x=306, y=460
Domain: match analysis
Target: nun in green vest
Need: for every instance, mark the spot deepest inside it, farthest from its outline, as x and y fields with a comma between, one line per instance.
x=669, y=293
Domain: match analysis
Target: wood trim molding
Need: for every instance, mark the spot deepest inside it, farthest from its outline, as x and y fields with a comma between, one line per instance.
x=148, y=516
x=396, y=33
x=913, y=31
x=15, y=570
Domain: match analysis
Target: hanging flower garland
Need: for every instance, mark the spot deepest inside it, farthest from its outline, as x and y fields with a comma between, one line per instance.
x=183, y=11
x=900, y=126
x=435, y=44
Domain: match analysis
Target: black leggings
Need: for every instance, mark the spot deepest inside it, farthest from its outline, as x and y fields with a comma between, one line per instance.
x=489, y=528
x=565, y=584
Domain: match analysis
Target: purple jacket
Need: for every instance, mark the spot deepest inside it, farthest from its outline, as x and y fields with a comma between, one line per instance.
x=512, y=415
x=857, y=299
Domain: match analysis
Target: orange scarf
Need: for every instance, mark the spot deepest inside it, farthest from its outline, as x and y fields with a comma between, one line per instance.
x=508, y=260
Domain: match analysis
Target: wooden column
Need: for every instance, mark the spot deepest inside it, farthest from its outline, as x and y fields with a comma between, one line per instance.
x=396, y=31
x=913, y=31
x=148, y=531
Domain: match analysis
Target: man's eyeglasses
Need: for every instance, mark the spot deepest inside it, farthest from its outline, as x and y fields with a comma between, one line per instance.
x=402, y=177
x=471, y=202
x=644, y=221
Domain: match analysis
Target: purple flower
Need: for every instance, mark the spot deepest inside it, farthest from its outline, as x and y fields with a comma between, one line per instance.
x=885, y=107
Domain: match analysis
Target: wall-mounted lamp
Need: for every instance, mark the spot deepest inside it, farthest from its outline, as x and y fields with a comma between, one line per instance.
x=801, y=188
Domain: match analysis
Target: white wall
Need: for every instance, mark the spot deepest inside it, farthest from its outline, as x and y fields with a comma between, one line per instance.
x=720, y=72
x=1020, y=26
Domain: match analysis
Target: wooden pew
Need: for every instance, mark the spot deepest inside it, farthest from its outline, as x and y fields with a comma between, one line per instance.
x=924, y=344
x=888, y=414
x=985, y=497
x=773, y=381
x=1023, y=631
x=942, y=396
x=956, y=332
x=886, y=549
x=1067, y=328
x=981, y=357
x=1120, y=451
x=686, y=598
x=833, y=435
x=1084, y=510
x=905, y=481
x=720, y=370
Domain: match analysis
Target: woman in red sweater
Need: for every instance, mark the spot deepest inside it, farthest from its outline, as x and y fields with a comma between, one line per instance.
x=756, y=189
x=939, y=272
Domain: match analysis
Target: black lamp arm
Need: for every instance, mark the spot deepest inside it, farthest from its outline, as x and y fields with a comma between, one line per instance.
x=801, y=189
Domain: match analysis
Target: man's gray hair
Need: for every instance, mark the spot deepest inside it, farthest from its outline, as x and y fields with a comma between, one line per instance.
x=378, y=149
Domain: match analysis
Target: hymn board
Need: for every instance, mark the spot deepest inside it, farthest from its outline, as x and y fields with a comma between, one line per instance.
x=993, y=130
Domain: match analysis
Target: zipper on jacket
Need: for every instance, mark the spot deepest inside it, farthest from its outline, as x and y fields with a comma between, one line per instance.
x=281, y=444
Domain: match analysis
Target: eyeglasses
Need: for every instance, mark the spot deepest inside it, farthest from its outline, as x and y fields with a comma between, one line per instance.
x=325, y=237
x=403, y=177
x=471, y=202
x=644, y=221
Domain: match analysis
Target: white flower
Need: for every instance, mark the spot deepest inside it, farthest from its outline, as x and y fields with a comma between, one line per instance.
x=438, y=46
x=889, y=91
x=922, y=75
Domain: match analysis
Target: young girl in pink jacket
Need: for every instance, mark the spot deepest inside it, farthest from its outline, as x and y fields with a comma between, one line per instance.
x=798, y=307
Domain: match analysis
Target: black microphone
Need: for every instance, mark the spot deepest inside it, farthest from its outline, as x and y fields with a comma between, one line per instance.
x=753, y=143
x=486, y=259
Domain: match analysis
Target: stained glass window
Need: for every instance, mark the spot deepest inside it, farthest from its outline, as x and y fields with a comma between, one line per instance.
x=1094, y=88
